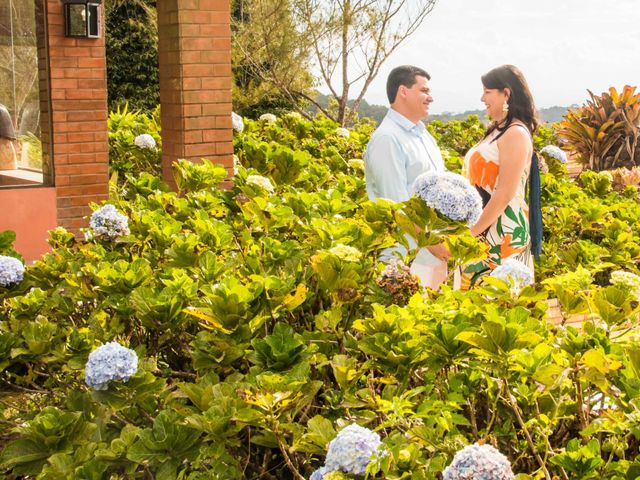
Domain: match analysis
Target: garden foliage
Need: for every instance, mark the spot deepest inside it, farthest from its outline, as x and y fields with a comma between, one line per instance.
x=262, y=329
x=605, y=132
x=130, y=150
x=131, y=37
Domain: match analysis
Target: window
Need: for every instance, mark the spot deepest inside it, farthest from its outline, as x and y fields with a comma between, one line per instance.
x=25, y=157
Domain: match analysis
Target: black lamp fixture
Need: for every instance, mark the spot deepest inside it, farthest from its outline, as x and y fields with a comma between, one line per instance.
x=82, y=18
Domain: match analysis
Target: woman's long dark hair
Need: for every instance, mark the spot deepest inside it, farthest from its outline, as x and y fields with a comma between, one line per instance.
x=521, y=106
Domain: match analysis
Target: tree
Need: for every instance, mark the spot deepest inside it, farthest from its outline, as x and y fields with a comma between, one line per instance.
x=270, y=58
x=351, y=39
x=347, y=41
x=132, y=54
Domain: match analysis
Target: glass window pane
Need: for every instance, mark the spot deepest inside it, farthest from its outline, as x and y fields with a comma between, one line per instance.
x=23, y=94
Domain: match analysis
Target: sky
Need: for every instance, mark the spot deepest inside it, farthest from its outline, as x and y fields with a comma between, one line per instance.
x=563, y=47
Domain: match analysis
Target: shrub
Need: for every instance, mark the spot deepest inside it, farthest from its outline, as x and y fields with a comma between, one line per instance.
x=127, y=156
x=131, y=37
x=261, y=331
x=604, y=133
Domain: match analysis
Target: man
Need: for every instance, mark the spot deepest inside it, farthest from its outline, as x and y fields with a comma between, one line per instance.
x=400, y=149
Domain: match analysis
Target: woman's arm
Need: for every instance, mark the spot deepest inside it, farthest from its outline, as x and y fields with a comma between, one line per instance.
x=514, y=150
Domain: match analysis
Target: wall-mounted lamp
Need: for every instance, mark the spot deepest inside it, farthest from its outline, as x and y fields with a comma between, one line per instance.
x=82, y=18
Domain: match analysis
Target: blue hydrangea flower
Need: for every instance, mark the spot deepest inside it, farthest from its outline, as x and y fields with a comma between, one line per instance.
x=352, y=449
x=555, y=152
x=318, y=474
x=450, y=194
x=11, y=271
x=108, y=224
x=514, y=273
x=478, y=462
x=145, y=141
x=110, y=362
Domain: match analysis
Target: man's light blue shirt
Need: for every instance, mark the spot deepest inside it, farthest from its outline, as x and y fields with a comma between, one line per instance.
x=397, y=153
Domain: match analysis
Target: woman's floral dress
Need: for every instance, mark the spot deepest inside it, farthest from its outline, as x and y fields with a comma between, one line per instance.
x=509, y=236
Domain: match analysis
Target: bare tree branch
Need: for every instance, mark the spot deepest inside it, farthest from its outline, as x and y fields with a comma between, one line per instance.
x=346, y=40
x=368, y=32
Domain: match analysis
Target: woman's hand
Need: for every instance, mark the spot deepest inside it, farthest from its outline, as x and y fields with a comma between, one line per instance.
x=440, y=251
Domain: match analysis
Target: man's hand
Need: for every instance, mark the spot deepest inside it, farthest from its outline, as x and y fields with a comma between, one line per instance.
x=440, y=251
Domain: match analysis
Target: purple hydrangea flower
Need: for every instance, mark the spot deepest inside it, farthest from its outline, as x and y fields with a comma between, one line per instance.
x=108, y=224
x=11, y=271
x=478, y=462
x=450, y=194
x=110, y=362
x=352, y=450
x=319, y=474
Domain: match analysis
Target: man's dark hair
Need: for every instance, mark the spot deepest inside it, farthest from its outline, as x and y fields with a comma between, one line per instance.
x=403, y=75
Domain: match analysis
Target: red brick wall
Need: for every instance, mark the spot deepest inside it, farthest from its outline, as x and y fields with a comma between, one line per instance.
x=78, y=91
x=195, y=81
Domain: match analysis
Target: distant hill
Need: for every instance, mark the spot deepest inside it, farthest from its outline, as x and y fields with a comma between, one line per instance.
x=547, y=115
x=377, y=112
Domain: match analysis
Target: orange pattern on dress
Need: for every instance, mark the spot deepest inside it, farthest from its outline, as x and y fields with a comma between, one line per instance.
x=483, y=173
x=506, y=250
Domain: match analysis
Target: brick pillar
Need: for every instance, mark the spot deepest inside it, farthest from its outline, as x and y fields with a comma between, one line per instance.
x=78, y=92
x=195, y=82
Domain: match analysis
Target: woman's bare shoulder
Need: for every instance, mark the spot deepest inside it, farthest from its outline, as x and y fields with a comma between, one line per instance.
x=518, y=133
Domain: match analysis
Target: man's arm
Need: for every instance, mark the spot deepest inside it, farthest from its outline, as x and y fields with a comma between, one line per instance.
x=385, y=172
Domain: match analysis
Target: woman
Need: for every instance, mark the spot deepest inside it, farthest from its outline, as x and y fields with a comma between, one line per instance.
x=499, y=167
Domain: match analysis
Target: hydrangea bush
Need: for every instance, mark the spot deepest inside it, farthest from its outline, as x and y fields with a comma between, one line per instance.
x=398, y=281
x=134, y=143
x=450, y=194
x=110, y=362
x=256, y=337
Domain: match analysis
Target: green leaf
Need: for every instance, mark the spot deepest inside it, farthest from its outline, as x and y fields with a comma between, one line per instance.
x=24, y=457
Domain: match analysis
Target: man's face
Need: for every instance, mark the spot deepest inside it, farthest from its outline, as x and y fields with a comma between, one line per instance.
x=417, y=98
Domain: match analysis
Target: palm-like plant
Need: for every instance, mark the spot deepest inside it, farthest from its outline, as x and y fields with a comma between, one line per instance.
x=603, y=134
